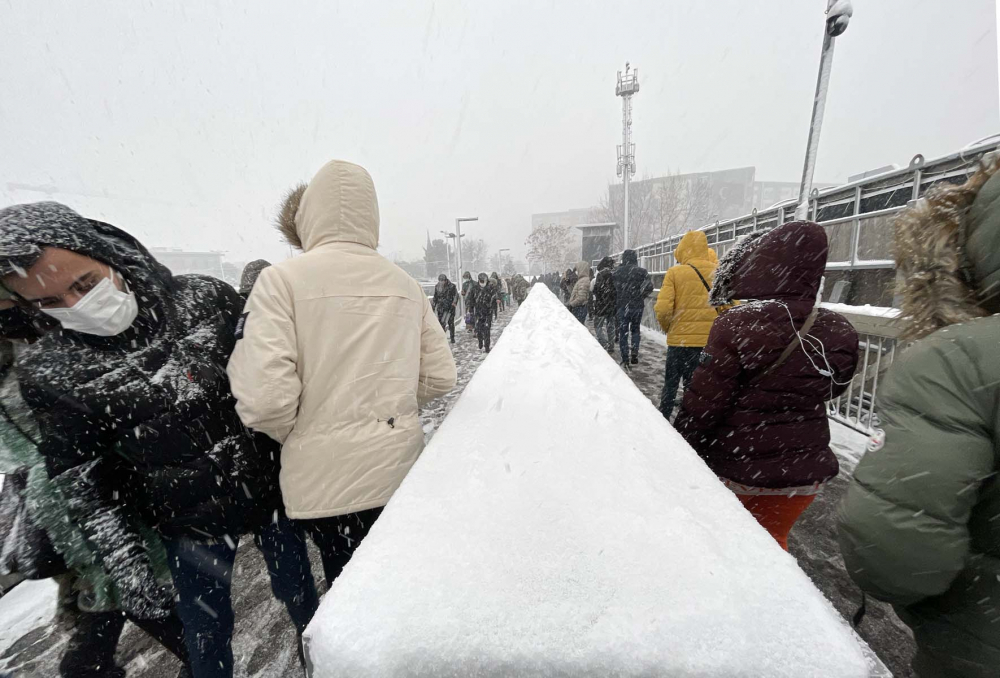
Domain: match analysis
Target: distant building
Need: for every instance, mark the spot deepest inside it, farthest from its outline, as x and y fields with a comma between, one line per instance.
x=181, y=261
x=702, y=198
x=767, y=194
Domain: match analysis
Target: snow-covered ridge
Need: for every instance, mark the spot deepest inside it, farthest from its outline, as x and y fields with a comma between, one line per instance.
x=872, y=311
x=557, y=525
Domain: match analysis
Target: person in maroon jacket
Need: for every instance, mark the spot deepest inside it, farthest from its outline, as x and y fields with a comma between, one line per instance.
x=755, y=410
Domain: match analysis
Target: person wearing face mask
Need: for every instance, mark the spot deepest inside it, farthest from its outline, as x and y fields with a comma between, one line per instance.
x=137, y=421
x=482, y=304
x=39, y=541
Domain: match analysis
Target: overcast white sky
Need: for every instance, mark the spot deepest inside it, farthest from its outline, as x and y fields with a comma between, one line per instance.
x=185, y=122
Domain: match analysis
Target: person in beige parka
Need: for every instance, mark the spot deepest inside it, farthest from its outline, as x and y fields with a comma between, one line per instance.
x=336, y=351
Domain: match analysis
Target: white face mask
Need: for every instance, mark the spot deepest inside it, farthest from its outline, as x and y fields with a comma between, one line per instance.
x=103, y=311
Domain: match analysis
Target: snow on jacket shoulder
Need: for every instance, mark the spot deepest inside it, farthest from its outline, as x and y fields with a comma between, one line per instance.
x=339, y=348
x=772, y=431
x=682, y=306
x=918, y=525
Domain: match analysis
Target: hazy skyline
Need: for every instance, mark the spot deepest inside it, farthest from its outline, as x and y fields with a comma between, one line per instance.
x=185, y=124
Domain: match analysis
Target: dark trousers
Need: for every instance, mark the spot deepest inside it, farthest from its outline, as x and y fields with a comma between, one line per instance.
x=338, y=537
x=447, y=319
x=629, y=320
x=90, y=652
x=483, y=328
x=580, y=313
x=203, y=577
x=681, y=364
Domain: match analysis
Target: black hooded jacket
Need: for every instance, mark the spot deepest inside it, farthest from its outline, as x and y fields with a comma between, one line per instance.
x=632, y=283
x=605, y=297
x=141, y=424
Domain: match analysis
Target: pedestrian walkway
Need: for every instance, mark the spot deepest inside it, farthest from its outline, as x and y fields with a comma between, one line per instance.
x=468, y=358
x=813, y=541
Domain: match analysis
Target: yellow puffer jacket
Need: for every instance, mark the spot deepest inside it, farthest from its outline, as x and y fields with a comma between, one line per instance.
x=682, y=306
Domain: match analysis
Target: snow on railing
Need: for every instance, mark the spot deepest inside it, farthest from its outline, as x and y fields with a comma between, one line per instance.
x=557, y=525
x=857, y=216
x=877, y=331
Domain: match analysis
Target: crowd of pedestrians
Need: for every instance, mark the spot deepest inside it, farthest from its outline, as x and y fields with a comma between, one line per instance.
x=754, y=359
x=150, y=421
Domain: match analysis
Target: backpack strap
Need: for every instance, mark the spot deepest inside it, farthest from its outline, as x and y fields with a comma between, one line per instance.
x=708, y=288
x=796, y=340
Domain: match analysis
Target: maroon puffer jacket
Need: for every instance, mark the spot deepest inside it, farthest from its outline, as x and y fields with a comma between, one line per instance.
x=773, y=432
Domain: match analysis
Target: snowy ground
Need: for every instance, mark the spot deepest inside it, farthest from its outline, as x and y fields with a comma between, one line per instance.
x=264, y=640
x=813, y=541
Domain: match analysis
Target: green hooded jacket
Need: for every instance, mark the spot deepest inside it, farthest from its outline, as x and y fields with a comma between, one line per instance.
x=920, y=525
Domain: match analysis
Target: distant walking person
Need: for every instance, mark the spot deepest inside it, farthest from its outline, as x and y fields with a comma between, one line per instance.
x=605, y=305
x=683, y=312
x=579, y=297
x=444, y=303
x=632, y=286
x=467, y=285
x=482, y=305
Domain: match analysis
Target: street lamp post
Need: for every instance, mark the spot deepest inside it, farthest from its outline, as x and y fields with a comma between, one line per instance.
x=838, y=14
x=458, y=241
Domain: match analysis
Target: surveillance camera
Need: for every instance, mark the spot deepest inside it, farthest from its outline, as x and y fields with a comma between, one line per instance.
x=838, y=16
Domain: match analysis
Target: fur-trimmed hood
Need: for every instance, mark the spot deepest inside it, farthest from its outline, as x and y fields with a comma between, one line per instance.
x=948, y=254
x=338, y=205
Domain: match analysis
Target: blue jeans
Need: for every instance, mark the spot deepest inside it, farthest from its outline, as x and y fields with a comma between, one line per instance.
x=629, y=320
x=605, y=328
x=203, y=577
x=579, y=312
x=681, y=364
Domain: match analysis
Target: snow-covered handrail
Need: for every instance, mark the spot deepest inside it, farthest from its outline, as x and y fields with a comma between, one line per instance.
x=557, y=525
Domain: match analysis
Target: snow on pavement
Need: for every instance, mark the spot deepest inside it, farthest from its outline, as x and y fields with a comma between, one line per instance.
x=584, y=538
x=813, y=541
x=264, y=639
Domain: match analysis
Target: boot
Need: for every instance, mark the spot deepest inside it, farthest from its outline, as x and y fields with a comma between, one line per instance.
x=635, y=360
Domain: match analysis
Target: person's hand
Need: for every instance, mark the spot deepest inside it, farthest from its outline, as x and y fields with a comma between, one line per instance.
x=141, y=595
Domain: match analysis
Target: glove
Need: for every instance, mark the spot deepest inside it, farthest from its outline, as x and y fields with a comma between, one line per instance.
x=140, y=594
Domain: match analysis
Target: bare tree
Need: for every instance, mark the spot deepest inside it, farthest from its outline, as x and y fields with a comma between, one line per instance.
x=549, y=244
x=659, y=208
x=475, y=255
x=640, y=215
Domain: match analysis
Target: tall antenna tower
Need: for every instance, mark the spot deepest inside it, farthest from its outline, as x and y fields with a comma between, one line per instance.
x=628, y=85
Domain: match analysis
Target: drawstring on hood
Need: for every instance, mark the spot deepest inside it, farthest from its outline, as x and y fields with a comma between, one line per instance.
x=338, y=205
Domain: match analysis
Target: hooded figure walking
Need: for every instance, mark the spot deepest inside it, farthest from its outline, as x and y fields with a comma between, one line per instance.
x=684, y=314
x=755, y=409
x=482, y=306
x=339, y=348
x=445, y=302
x=137, y=421
x=579, y=298
x=918, y=527
x=632, y=286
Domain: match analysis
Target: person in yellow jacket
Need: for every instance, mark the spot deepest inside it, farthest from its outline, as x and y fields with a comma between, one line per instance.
x=335, y=353
x=684, y=314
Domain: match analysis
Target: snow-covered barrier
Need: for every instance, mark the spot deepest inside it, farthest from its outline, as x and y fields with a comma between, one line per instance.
x=556, y=526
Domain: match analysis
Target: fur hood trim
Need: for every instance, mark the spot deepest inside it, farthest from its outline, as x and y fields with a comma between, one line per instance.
x=286, y=216
x=936, y=279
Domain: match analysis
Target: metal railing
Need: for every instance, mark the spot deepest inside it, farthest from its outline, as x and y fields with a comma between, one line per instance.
x=857, y=216
x=877, y=337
